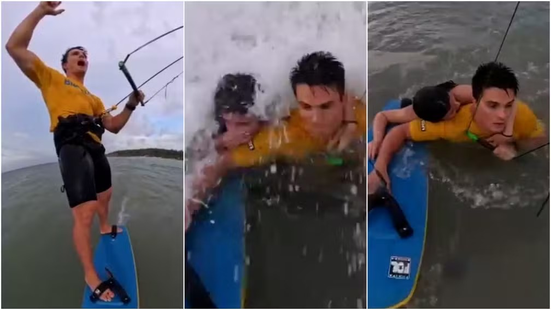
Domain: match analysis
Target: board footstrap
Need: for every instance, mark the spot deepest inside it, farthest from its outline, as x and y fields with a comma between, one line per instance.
x=382, y=197
x=114, y=286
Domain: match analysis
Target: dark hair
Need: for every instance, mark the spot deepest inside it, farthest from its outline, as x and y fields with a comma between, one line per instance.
x=431, y=103
x=66, y=55
x=235, y=93
x=318, y=69
x=493, y=74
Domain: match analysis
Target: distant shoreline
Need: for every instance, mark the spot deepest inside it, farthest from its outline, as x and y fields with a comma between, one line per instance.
x=149, y=152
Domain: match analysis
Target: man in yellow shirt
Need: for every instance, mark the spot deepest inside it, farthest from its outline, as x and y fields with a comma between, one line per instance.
x=495, y=89
x=318, y=82
x=78, y=120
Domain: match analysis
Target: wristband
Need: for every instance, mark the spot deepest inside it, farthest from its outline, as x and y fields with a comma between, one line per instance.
x=130, y=107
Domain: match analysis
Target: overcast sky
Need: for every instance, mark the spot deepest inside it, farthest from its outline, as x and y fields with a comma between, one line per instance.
x=109, y=31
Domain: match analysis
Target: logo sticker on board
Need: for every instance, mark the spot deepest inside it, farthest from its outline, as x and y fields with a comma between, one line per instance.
x=399, y=267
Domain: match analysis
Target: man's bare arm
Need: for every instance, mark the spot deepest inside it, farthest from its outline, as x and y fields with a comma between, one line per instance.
x=114, y=124
x=210, y=177
x=18, y=43
x=382, y=119
x=531, y=143
x=393, y=141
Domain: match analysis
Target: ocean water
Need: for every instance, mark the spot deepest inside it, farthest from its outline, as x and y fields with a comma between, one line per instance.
x=38, y=257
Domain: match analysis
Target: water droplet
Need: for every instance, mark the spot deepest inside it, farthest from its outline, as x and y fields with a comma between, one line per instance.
x=212, y=221
x=273, y=168
x=235, y=273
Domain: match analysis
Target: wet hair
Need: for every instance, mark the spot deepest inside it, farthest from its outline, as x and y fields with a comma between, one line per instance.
x=493, y=74
x=235, y=93
x=65, y=55
x=431, y=103
x=318, y=69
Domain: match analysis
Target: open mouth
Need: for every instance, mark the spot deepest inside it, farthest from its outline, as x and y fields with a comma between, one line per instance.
x=81, y=63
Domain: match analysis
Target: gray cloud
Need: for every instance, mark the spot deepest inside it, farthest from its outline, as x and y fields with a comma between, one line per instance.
x=109, y=30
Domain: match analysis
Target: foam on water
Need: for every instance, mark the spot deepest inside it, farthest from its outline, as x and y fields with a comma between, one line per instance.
x=123, y=216
x=495, y=195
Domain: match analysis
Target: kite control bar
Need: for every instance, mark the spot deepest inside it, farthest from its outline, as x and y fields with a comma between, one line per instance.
x=382, y=197
x=122, y=67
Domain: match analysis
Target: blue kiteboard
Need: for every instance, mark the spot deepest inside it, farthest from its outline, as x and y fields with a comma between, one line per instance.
x=117, y=256
x=215, y=246
x=393, y=262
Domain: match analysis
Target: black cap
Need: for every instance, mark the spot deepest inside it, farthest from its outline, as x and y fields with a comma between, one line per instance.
x=235, y=93
x=431, y=103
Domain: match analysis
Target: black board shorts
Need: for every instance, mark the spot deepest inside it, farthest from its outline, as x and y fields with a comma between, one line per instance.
x=85, y=172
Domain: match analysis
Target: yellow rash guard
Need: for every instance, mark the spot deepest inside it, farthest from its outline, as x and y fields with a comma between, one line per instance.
x=63, y=96
x=288, y=140
x=526, y=126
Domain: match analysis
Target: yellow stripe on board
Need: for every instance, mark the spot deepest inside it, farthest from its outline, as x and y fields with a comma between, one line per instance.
x=408, y=298
x=135, y=270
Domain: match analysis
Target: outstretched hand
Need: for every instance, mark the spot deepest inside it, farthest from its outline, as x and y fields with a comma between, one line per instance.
x=50, y=8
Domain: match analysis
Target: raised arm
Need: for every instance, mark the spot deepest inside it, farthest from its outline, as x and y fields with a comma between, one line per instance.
x=18, y=43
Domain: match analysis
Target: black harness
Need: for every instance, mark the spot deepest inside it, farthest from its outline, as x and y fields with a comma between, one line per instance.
x=74, y=130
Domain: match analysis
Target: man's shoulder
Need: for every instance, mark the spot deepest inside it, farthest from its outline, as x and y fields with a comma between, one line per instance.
x=523, y=107
x=38, y=63
x=45, y=72
x=524, y=113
